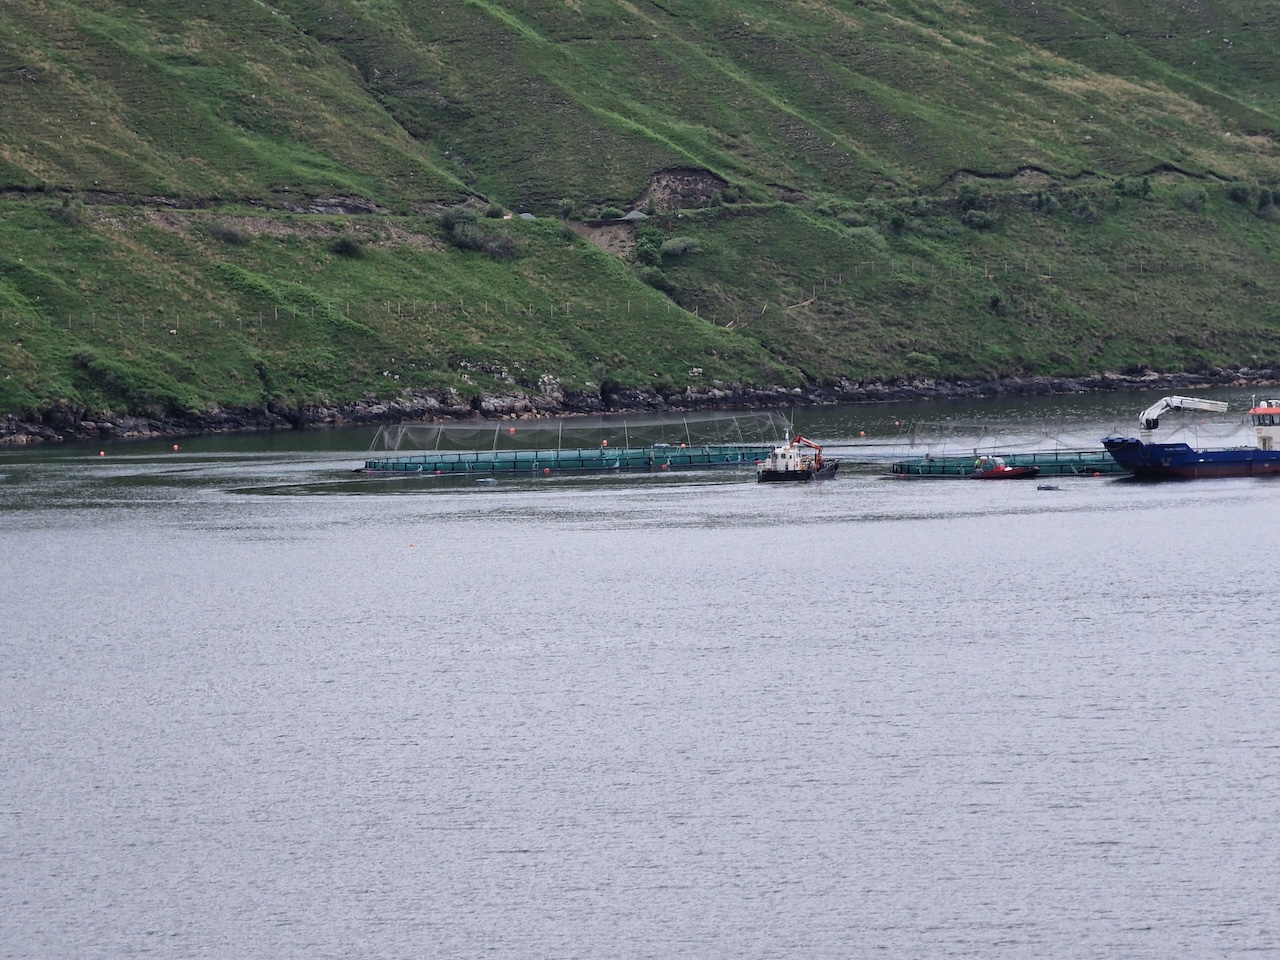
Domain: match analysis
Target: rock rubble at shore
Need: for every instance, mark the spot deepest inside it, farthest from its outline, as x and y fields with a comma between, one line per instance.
x=63, y=423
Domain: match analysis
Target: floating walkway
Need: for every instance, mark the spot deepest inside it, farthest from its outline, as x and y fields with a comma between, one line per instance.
x=581, y=460
x=1053, y=463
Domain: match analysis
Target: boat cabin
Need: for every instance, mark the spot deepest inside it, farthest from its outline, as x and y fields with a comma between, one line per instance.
x=1266, y=424
x=787, y=459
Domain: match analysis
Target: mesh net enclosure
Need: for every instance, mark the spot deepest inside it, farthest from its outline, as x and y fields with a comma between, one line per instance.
x=579, y=444
x=571, y=433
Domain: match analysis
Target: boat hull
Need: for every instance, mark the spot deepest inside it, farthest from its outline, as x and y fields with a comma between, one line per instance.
x=798, y=476
x=1008, y=473
x=1179, y=461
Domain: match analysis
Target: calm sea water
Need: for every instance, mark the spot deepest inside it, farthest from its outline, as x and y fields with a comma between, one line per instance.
x=255, y=705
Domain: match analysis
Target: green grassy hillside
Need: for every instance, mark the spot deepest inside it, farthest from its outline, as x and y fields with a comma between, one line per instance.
x=245, y=204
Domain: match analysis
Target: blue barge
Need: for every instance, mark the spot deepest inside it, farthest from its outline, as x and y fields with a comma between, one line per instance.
x=1147, y=460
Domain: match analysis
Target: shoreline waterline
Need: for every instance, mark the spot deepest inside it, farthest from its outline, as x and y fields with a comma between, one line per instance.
x=66, y=423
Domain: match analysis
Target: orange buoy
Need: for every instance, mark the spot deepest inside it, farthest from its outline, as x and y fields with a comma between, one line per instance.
x=604, y=443
x=862, y=433
x=511, y=429
x=175, y=448
x=102, y=453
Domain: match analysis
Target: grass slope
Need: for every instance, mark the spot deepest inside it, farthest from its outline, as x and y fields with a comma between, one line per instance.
x=241, y=203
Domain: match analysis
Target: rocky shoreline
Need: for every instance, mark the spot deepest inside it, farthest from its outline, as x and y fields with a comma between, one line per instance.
x=65, y=423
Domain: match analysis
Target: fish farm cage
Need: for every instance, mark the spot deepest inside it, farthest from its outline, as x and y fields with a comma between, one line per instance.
x=1052, y=463
x=579, y=444
x=949, y=449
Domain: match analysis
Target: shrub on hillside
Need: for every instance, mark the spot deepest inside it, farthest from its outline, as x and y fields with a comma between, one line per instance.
x=226, y=233
x=466, y=236
x=1267, y=204
x=456, y=215
x=658, y=280
x=679, y=247
x=1240, y=193
x=69, y=212
x=978, y=220
x=970, y=198
x=920, y=207
x=870, y=236
x=502, y=248
x=1046, y=202
x=469, y=236
x=648, y=245
x=1191, y=198
x=347, y=246
x=1131, y=188
x=1085, y=213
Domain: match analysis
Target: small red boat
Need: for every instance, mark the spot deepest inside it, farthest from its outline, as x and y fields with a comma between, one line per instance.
x=994, y=468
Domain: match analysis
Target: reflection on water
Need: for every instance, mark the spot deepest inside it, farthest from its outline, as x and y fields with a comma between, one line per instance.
x=257, y=704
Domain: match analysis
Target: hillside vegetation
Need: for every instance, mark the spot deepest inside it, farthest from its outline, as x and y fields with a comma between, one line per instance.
x=252, y=204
